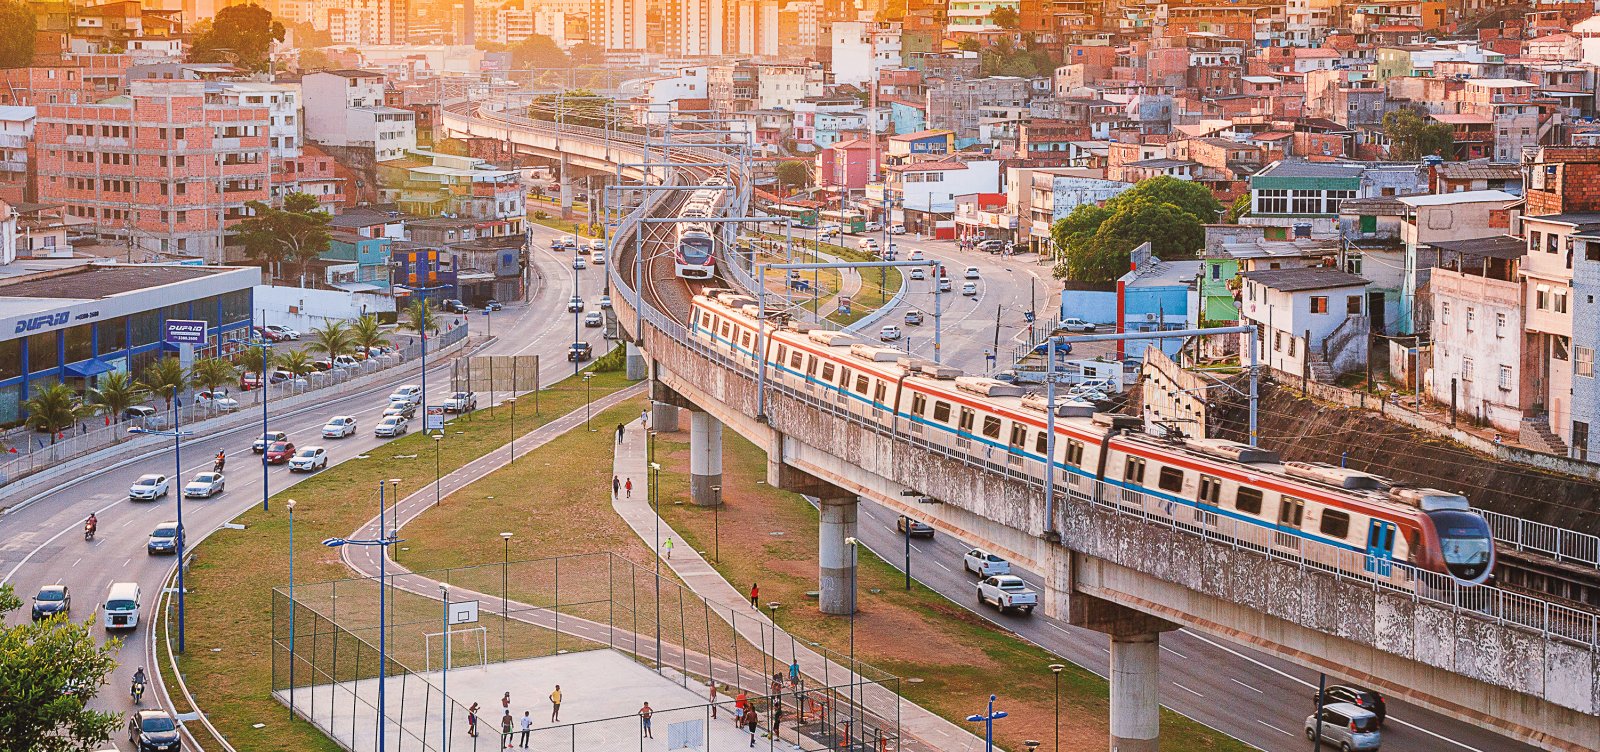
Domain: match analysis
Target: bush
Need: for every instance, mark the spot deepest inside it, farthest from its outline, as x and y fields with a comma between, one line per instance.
x=540, y=215
x=615, y=360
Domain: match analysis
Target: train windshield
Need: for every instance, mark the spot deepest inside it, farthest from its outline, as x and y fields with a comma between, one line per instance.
x=696, y=249
x=1464, y=540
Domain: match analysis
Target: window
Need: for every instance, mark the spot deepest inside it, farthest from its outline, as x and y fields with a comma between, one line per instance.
x=844, y=378
x=1170, y=479
x=1319, y=304
x=1541, y=297
x=919, y=404
x=991, y=426
x=1133, y=471
x=1247, y=500
x=1505, y=378
x=1560, y=303
x=1019, y=435
x=1500, y=325
x=1277, y=341
x=1307, y=202
x=1558, y=348
x=1041, y=443
x=1075, y=453
x=1292, y=340
x=827, y=372
x=1472, y=316
x=1352, y=305
x=1335, y=524
x=1334, y=199
x=967, y=417
x=1466, y=370
x=1291, y=511
x=1444, y=313
x=783, y=352
x=880, y=392
x=1272, y=202
x=861, y=383
x=795, y=359
x=1583, y=361
x=941, y=411
x=1210, y=490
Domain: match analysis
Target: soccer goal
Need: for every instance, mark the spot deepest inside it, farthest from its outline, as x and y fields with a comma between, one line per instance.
x=470, y=642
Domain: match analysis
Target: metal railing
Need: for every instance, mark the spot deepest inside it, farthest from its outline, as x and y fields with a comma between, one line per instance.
x=1561, y=544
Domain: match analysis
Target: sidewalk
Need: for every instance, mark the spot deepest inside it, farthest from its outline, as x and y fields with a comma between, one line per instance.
x=915, y=721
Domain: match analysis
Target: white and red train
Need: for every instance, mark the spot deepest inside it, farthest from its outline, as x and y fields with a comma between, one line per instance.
x=694, y=249
x=1334, y=517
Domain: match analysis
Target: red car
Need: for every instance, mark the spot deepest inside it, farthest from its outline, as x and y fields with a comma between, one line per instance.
x=266, y=334
x=249, y=380
x=280, y=452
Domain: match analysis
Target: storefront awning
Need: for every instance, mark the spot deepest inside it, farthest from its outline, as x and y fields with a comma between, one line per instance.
x=89, y=368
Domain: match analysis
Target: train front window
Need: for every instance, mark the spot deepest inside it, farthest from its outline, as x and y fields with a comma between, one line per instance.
x=1464, y=541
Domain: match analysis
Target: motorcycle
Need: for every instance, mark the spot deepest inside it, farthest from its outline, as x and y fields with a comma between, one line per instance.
x=88, y=531
x=138, y=691
x=216, y=467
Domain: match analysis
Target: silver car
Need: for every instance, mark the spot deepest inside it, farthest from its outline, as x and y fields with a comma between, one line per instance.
x=1347, y=727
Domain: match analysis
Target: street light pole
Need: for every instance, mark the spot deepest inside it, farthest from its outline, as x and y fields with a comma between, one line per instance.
x=716, y=524
x=853, y=544
x=290, y=506
x=1056, y=669
x=264, y=383
x=444, y=675
x=382, y=541
x=505, y=592
x=588, y=400
x=988, y=720
x=177, y=459
x=437, y=438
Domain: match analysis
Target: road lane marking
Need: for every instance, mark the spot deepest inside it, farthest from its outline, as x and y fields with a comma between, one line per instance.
x=1174, y=652
x=1274, y=728
x=1059, y=629
x=940, y=565
x=1246, y=686
x=1186, y=689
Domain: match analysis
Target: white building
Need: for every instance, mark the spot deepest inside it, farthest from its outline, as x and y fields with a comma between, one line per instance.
x=664, y=93
x=701, y=29
x=755, y=27
x=781, y=86
x=16, y=133
x=1317, y=313
x=861, y=49
x=345, y=108
x=931, y=187
x=1477, y=331
x=284, y=139
x=624, y=22
x=364, y=21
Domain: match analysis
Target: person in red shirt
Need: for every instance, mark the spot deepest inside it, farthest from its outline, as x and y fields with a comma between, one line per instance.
x=755, y=596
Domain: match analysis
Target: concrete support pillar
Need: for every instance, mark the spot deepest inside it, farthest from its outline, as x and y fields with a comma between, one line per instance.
x=566, y=187
x=705, y=458
x=1135, y=692
x=663, y=417
x=635, y=363
x=836, y=561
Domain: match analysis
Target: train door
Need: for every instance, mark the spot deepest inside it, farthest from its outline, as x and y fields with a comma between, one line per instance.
x=1380, y=547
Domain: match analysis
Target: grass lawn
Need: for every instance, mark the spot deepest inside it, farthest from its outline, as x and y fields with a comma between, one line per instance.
x=233, y=571
x=581, y=229
x=770, y=537
x=877, y=286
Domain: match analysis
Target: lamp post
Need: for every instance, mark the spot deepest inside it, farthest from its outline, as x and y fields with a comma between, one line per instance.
x=437, y=438
x=853, y=544
x=177, y=477
x=988, y=720
x=511, y=402
x=588, y=400
x=290, y=506
x=1057, y=668
x=263, y=382
x=655, y=505
x=716, y=524
x=382, y=540
x=505, y=592
x=444, y=675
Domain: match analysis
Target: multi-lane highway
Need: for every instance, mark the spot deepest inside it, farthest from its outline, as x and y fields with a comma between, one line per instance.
x=43, y=541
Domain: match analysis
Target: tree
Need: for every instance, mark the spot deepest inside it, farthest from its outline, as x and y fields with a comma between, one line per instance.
x=164, y=377
x=1411, y=137
x=17, y=24
x=794, y=174
x=210, y=373
x=116, y=393
x=1187, y=195
x=1095, y=241
x=332, y=339
x=968, y=45
x=49, y=671
x=1240, y=208
x=585, y=53
x=1005, y=17
x=1171, y=232
x=538, y=51
x=258, y=359
x=420, y=318
x=315, y=60
x=297, y=233
x=54, y=409
x=366, y=333
x=240, y=35
x=297, y=362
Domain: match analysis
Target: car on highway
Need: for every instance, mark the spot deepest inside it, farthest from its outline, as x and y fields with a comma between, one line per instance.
x=451, y=305
x=972, y=273
x=827, y=232
x=916, y=255
x=985, y=564
x=568, y=241
x=1350, y=728
x=599, y=259
x=493, y=305
x=594, y=319
x=148, y=487
x=153, y=731
x=461, y=402
x=889, y=333
x=283, y=331
x=121, y=607
x=401, y=408
x=870, y=245
x=51, y=600
x=339, y=426
x=970, y=289
x=309, y=459
x=897, y=229
x=279, y=452
x=579, y=352
x=872, y=227
x=267, y=438
x=944, y=284
x=1361, y=697
x=164, y=539
x=605, y=301
x=393, y=425
x=1077, y=325
x=913, y=317
x=574, y=304
x=1007, y=592
x=918, y=274
x=991, y=246
x=218, y=399
x=556, y=244
x=916, y=529
x=204, y=486
x=597, y=245
x=890, y=255
x=411, y=393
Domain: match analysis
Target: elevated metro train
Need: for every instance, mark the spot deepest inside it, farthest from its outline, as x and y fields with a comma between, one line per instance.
x=693, y=255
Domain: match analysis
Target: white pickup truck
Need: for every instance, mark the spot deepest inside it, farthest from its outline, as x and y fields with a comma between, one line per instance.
x=1006, y=592
x=984, y=564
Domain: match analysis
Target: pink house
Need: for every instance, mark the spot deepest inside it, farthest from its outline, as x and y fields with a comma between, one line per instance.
x=845, y=164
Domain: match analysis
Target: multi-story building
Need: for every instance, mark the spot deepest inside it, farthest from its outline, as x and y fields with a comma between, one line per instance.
x=365, y=22
x=781, y=86
x=923, y=194
x=1585, y=343
x=1429, y=219
x=284, y=139
x=76, y=78
x=954, y=103
x=1507, y=102
x=1478, y=355
x=1312, y=320
x=345, y=108
x=430, y=184
x=863, y=49
x=165, y=169
x=700, y=28
x=16, y=139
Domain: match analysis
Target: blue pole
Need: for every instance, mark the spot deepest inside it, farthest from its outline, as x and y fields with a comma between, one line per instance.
x=290, y=506
x=383, y=610
x=444, y=676
x=177, y=478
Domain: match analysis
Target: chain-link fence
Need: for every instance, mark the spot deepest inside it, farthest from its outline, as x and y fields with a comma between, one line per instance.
x=561, y=606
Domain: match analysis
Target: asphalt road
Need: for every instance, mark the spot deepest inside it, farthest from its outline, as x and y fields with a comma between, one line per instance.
x=43, y=542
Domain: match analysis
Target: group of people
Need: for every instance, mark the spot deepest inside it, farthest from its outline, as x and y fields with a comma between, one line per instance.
x=512, y=728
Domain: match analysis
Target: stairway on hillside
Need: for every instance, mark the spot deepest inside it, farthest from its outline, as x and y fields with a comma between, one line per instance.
x=1535, y=434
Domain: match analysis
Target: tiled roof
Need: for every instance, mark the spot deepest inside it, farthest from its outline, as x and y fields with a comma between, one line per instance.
x=1311, y=278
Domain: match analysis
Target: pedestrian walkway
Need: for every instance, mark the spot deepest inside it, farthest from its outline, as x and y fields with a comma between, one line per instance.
x=915, y=721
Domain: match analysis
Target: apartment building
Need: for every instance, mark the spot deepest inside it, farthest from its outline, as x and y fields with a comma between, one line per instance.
x=165, y=168
x=863, y=49
x=345, y=108
x=781, y=86
x=1478, y=341
x=623, y=25
x=1507, y=104
x=16, y=138
x=366, y=22
x=953, y=103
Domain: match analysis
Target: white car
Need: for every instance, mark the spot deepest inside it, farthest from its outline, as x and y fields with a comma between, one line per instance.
x=307, y=459
x=869, y=245
x=605, y=301
x=594, y=319
x=972, y=272
x=339, y=426
x=218, y=399
x=204, y=486
x=970, y=289
x=918, y=274
x=148, y=487
x=461, y=402
x=407, y=392
x=401, y=408
x=1077, y=325
x=577, y=263
x=1006, y=592
x=897, y=229
x=944, y=284
x=282, y=331
x=569, y=241
x=394, y=425
x=889, y=333
x=346, y=361
x=597, y=245
x=599, y=258
x=916, y=255
x=984, y=564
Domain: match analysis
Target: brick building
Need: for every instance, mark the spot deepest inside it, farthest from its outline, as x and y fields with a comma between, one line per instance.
x=162, y=168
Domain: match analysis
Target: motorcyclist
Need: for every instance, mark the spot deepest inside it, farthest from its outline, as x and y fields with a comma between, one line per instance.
x=222, y=459
x=138, y=683
x=90, y=524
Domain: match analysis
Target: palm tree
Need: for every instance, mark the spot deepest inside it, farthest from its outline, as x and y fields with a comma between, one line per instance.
x=258, y=360
x=210, y=373
x=116, y=393
x=367, y=333
x=54, y=408
x=297, y=362
x=166, y=378
x=333, y=339
x=420, y=318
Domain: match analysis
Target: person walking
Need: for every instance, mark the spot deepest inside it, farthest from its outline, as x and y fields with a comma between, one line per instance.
x=668, y=546
x=472, y=720
x=555, y=705
x=750, y=721
x=644, y=721
x=505, y=729
x=628, y=488
x=616, y=486
x=739, y=704
x=619, y=433
x=794, y=672
x=713, y=699
x=644, y=418
x=527, y=727
x=505, y=703
x=755, y=596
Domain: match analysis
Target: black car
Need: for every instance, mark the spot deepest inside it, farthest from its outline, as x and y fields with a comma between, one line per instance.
x=51, y=600
x=454, y=306
x=580, y=351
x=492, y=305
x=153, y=731
x=918, y=529
x=1361, y=697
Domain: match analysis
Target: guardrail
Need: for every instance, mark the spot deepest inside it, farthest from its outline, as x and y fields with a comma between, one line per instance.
x=1561, y=544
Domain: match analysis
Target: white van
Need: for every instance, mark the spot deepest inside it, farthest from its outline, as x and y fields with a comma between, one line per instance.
x=122, y=606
